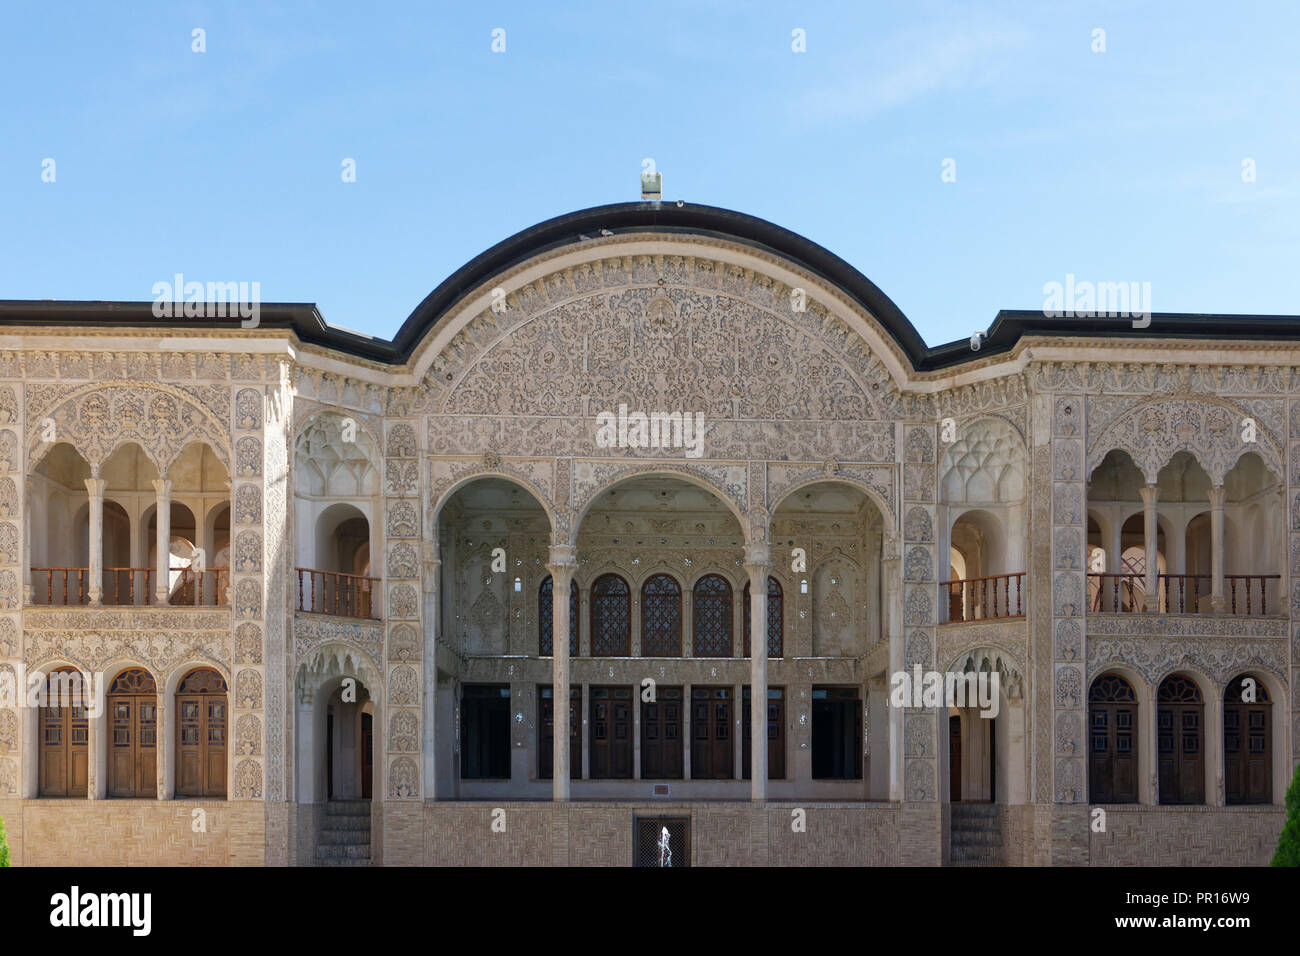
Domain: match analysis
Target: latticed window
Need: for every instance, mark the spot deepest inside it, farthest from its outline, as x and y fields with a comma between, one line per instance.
x=546, y=618
x=1111, y=689
x=775, y=618
x=661, y=617
x=712, y=616
x=611, y=617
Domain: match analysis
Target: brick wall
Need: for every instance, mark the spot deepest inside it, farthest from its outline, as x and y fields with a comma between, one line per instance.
x=1187, y=836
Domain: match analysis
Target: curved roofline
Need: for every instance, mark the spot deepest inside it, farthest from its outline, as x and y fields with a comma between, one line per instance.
x=1009, y=326
x=664, y=217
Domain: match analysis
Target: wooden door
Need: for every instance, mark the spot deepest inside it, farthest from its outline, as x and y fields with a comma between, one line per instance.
x=712, y=748
x=611, y=733
x=661, y=736
x=201, y=715
x=1179, y=746
x=546, y=737
x=1112, y=741
x=65, y=744
x=133, y=735
x=775, y=734
x=1247, y=746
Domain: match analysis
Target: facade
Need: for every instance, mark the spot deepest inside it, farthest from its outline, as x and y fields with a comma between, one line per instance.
x=333, y=586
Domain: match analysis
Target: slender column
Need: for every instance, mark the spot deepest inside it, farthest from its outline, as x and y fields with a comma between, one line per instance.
x=758, y=564
x=1115, y=546
x=95, y=487
x=891, y=567
x=163, y=487
x=562, y=565
x=1149, y=494
x=1218, y=600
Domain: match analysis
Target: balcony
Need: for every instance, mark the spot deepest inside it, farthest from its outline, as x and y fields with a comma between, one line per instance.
x=1251, y=595
x=995, y=597
x=130, y=587
x=336, y=593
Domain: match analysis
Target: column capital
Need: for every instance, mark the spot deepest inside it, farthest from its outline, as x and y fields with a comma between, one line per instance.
x=563, y=559
x=1218, y=494
x=95, y=486
x=758, y=554
x=1150, y=494
x=163, y=486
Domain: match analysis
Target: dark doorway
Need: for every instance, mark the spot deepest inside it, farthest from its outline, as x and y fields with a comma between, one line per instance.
x=329, y=756
x=954, y=758
x=485, y=732
x=836, y=733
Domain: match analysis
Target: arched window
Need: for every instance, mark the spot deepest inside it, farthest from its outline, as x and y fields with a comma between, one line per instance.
x=133, y=735
x=1112, y=741
x=611, y=617
x=1247, y=742
x=546, y=618
x=711, y=617
x=1178, y=741
x=775, y=618
x=661, y=617
x=65, y=735
x=201, y=719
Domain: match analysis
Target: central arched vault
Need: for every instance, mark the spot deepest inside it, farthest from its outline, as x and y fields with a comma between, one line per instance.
x=659, y=322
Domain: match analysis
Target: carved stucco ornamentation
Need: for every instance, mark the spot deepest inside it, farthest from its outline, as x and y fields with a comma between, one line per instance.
x=1153, y=431
x=1155, y=658
x=99, y=418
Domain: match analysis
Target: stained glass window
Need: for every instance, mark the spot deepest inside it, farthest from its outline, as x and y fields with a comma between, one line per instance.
x=712, y=616
x=661, y=617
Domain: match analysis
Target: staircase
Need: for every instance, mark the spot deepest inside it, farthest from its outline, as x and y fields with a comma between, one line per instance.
x=345, y=834
x=976, y=835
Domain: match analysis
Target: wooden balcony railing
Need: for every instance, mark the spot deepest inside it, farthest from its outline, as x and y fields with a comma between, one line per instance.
x=1247, y=594
x=333, y=592
x=987, y=598
x=129, y=587
x=60, y=585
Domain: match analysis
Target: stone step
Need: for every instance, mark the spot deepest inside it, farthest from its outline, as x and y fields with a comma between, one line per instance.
x=348, y=806
x=338, y=821
x=358, y=852
x=969, y=855
x=974, y=809
x=345, y=837
x=976, y=839
x=343, y=862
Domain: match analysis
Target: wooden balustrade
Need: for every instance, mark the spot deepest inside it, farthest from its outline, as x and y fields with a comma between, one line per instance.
x=129, y=587
x=986, y=598
x=336, y=593
x=1182, y=593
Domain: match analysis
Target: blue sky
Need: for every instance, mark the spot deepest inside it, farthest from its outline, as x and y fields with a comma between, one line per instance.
x=1117, y=166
